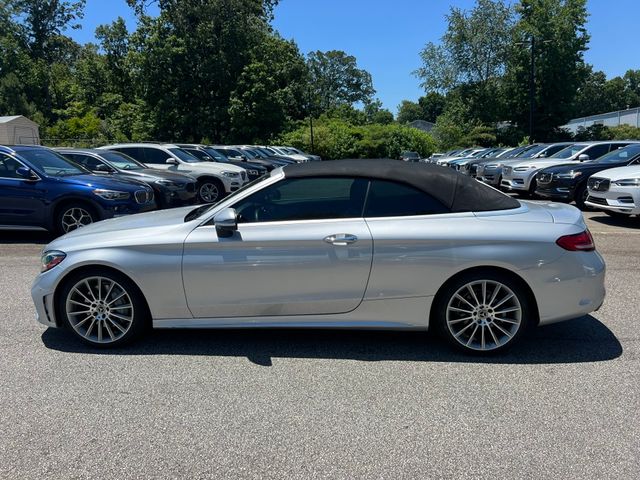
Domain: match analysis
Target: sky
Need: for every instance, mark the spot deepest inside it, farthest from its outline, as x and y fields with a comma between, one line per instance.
x=386, y=36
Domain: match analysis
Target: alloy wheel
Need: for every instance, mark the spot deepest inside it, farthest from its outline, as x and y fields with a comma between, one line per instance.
x=99, y=309
x=74, y=218
x=484, y=315
x=209, y=192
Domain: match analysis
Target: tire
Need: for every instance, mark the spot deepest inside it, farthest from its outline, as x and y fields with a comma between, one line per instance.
x=531, y=193
x=581, y=196
x=471, y=323
x=210, y=190
x=71, y=216
x=102, y=308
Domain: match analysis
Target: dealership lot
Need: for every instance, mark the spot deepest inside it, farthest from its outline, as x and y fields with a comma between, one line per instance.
x=303, y=404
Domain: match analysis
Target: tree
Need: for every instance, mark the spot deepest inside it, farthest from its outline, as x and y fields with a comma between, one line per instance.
x=270, y=92
x=559, y=30
x=375, y=113
x=115, y=43
x=336, y=80
x=409, y=111
x=474, y=48
x=433, y=105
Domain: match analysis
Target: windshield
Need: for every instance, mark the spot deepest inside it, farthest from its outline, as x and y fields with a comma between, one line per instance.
x=184, y=156
x=51, y=163
x=216, y=155
x=569, y=151
x=620, y=155
x=121, y=161
x=249, y=153
x=201, y=210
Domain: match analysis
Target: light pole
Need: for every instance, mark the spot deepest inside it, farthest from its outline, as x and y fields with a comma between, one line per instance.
x=310, y=118
x=532, y=83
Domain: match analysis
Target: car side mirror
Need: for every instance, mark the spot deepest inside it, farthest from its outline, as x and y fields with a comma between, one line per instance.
x=102, y=168
x=226, y=222
x=542, y=155
x=171, y=161
x=583, y=157
x=26, y=173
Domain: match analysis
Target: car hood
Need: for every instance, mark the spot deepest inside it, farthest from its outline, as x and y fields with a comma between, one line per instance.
x=150, y=174
x=540, y=163
x=123, y=230
x=214, y=167
x=579, y=167
x=100, y=181
x=632, y=171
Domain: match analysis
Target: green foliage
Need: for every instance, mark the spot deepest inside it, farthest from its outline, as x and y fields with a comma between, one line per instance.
x=599, y=95
x=336, y=138
x=336, y=80
x=601, y=132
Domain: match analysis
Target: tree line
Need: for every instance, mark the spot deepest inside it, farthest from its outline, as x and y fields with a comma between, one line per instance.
x=217, y=71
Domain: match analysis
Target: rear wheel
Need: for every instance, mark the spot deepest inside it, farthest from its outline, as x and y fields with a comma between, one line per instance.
x=73, y=216
x=483, y=313
x=102, y=308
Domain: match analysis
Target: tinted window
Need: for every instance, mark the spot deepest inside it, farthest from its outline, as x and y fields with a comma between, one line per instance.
x=133, y=152
x=155, y=156
x=51, y=163
x=620, y=155
x=86, y=161
x=304, y=199
x=199, y=154
x=8, y=167
x=182, y=155
x=597, y=151
x=121, y=160
x=217, y=155
x=391, y=199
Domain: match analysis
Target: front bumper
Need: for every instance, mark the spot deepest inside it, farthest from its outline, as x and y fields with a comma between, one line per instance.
x=169, y=197
x=42, y=294
x=617, y=199
x=557, y=189
x=520, y=181
x=491, y=176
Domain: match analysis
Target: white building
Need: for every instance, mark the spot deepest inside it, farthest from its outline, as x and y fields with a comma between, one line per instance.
x=612, y=119
x=18, y=130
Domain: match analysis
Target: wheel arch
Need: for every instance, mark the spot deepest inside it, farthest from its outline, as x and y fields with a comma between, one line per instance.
x=487, y=269
x=66, y=200
x=94, y=268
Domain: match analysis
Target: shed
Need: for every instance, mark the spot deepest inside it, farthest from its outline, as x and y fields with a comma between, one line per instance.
x=422, y=125
x=18, y=130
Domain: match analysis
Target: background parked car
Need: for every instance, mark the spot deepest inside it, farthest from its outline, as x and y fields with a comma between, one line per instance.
x=521, y=176
x=569, y=182
x=616, y=191
x=214, y=180
x=490, y=170
x=209, y=154
x=40, y=188
x=408, y=156
x=171, y=189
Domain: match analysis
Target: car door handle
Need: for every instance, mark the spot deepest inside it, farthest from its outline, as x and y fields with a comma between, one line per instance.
x=341, y=239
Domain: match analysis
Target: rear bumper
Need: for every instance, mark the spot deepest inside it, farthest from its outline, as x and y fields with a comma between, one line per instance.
x=569, y=288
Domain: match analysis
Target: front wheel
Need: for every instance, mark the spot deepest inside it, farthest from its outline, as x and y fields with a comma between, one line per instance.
x=581, y=195
x=482, y=313
x=73, y=216
x=210, y=191
x=102, y=308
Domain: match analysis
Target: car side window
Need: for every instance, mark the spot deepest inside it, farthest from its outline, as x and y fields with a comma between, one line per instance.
x=155, y=156
x=304, y=199
x=133, y=152
x=393, y=199
x=8, y=166
x=597, y=151
x=86, y=161
x=199, y=154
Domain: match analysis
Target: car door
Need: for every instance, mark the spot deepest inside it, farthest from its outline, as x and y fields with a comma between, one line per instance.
x=22, y=201
x=301, y=248
x=417, y=241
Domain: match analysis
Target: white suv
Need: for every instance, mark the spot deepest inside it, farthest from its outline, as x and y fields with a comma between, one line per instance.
x=616, y=191
x=215, y=180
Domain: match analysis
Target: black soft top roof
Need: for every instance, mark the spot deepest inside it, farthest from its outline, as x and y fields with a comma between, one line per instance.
x=458, y=192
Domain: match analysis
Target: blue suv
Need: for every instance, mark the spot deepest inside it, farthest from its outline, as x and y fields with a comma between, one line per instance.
x=40, y=188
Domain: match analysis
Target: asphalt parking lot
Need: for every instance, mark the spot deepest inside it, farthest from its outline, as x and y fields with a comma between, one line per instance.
x=309, y=404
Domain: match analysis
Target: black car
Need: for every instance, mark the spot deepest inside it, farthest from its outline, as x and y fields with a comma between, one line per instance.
x=209, y=154
x=171, y=189
x=568, y=182
x=410, y=156
x=238, y=154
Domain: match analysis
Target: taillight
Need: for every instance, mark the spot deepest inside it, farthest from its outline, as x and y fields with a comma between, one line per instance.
x=580, y=242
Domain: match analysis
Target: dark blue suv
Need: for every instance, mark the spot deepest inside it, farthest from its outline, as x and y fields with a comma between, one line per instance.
x=40, y=188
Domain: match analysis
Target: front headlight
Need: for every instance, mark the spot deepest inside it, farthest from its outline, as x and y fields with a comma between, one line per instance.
x=111, y=194
x=570, y=175
x=50, y=259
x=231, y=174
x=628, y=182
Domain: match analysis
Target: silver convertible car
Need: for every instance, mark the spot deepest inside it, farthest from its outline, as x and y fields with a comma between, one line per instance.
x=376, y=244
